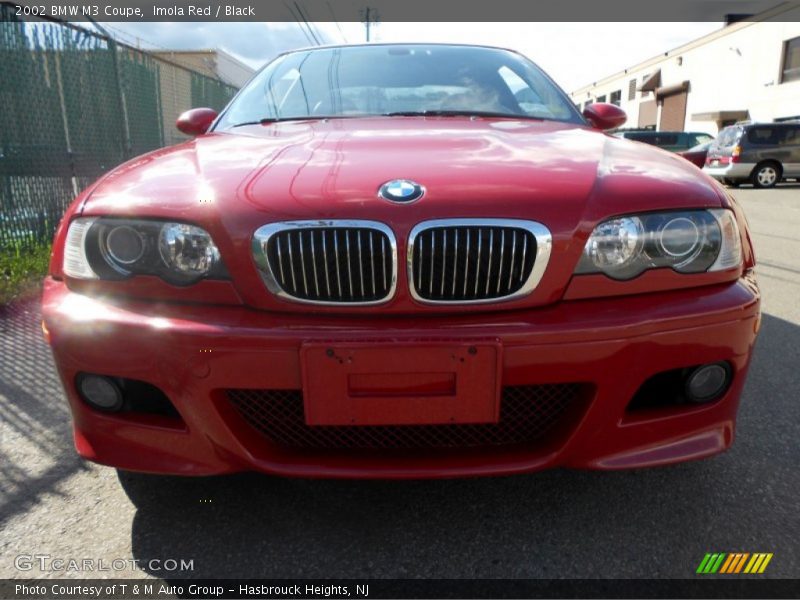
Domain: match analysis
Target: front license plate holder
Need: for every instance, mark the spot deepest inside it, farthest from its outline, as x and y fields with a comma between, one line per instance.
x=401, y=384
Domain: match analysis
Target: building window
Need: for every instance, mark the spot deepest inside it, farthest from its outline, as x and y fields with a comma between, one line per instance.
x=615, y=97
x=645, y=77
x=601, y=98
x=632, y=89
x=791, y=60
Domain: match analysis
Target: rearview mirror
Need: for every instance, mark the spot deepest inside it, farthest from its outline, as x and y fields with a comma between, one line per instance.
x=604, y=116
x=196, y=121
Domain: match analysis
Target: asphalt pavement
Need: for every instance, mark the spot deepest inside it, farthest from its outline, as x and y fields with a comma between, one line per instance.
x=555, y=524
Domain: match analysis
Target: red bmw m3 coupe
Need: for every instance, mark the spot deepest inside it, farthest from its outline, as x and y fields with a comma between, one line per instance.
x=402, y=261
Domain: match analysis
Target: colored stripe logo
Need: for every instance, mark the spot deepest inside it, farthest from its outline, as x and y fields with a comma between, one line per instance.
x=734, y=563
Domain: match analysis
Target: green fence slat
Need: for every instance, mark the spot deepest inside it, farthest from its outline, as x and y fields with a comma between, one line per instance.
x=74, y=106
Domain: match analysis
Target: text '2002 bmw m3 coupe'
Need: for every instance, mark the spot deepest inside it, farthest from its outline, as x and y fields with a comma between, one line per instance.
x=402, y=261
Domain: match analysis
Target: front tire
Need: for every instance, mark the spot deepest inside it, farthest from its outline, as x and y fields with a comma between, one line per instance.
x=766, y=175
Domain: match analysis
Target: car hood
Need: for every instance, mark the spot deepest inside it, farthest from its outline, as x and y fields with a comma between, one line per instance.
x=564, y=176
x=333, y=169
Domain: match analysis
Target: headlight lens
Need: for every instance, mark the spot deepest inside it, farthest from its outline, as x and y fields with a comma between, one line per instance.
x=125, y=244
x=187, y=249
x=105, y=248
x=686, y=241
x=616, y=243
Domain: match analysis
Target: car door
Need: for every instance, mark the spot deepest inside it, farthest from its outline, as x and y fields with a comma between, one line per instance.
x=668, y=141
x=763, y=144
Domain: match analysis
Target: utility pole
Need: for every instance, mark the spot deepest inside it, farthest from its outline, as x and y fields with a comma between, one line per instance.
x=369, y=17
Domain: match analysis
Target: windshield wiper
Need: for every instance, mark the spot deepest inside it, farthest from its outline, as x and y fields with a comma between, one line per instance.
x=268, y=120
x=458, y=113
x=403, y=113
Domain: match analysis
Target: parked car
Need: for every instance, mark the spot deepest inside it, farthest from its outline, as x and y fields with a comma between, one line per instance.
x=697, y=154
x=759, y=153
x=375, y=262
x=674, y=141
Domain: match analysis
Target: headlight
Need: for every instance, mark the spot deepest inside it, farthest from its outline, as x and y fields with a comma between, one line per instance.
x=187, y=249
x=686, y=241
x=105, y=248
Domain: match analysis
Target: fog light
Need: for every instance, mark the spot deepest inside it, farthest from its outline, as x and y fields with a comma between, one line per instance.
x=100, y=392
x=708, y=382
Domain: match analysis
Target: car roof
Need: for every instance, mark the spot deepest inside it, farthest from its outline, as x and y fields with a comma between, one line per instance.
x=377, y=44
x=652, y=132
x=778, y=124
x=766, y=124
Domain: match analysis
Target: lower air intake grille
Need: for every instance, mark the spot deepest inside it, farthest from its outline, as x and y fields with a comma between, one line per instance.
x=328, y=262
x=527, y=413
x=476, y=260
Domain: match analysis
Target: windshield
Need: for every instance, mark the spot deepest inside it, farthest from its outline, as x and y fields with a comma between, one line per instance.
x=728, y=137
x=654, y=138
x=399, y=80
x=700, y=147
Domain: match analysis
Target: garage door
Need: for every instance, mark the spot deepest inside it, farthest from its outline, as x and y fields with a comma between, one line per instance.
x=673, y=112
x=647, y=113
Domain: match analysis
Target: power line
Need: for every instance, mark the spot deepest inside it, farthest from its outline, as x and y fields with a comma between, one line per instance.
x=303, y=23
x=309, y=24
x=299, y=24
x=336, y=21
x=317, y=34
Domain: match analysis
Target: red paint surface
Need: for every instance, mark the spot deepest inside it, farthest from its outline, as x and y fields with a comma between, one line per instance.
x=603, y=115
x=401, y=383
x=196, y=121
x=697, y=157
x=195, y=342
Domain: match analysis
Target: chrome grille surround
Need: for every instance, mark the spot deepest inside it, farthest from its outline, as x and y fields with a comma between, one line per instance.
x=314, y=274
x=540, y=233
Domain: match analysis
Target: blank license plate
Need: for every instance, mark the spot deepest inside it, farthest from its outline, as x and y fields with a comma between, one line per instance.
x=401, y=384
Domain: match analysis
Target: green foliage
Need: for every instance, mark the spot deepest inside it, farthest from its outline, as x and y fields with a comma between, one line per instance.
x=22, y=271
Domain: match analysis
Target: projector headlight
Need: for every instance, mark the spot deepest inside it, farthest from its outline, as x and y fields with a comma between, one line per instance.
x=687, y=241
x=106, y=248
x=187, y=249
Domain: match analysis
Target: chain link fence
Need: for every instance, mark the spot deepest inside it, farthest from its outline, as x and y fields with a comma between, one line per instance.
x=74, y=104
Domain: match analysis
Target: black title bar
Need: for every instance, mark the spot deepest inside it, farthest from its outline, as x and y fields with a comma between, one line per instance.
x=407, y=10
x=146, y=589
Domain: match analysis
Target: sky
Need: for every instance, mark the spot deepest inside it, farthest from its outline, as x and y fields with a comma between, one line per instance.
x=573, y=54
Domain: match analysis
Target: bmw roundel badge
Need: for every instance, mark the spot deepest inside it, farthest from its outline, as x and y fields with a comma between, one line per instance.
x=401, y=190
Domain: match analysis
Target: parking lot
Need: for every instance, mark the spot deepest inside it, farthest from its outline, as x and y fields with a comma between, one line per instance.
x=650, y=523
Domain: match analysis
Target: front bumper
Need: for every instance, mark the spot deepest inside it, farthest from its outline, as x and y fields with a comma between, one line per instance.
x=195, y=352
x=731, y=171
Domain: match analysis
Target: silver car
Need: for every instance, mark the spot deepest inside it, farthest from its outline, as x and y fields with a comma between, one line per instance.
x=762, y=154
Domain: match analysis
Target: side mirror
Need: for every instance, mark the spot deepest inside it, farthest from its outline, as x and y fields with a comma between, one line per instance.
x=604, y=116
x=196, y=121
